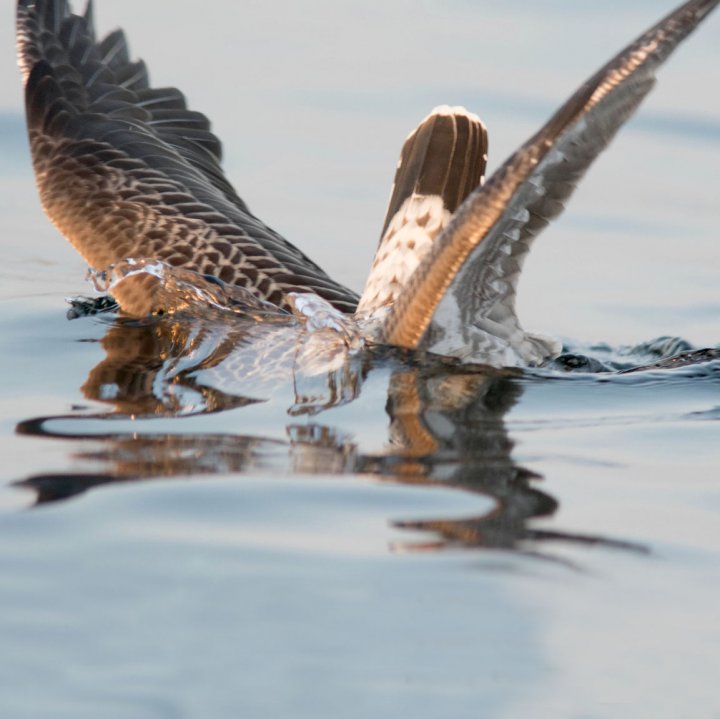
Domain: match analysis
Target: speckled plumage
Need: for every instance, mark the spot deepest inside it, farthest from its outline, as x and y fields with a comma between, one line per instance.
x=125, y=170
x=442, y=161
x=461, y=299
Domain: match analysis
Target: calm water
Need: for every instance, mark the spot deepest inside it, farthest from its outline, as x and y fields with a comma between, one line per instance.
x=449, y=544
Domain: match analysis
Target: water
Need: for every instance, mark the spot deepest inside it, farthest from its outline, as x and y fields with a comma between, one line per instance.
x=450, y=543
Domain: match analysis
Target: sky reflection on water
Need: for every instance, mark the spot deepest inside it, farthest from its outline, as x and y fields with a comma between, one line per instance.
x=253, y=576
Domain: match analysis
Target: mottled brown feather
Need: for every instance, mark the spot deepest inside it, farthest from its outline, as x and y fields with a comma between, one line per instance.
x=441, y=162
x=126, y=170
x=466, y=285
x=445, y=155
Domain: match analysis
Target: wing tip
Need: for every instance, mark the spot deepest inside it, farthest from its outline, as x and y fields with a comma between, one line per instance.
x=445, y=155
x=442, y=111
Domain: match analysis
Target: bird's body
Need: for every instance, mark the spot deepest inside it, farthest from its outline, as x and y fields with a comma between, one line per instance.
x=133, y=178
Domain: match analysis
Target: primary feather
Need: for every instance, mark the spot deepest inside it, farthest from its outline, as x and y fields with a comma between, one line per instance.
x=126, y=170
x=461, y=299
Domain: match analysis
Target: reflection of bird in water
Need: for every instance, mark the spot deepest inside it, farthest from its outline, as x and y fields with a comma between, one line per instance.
x=127, y=172
x=446, y=428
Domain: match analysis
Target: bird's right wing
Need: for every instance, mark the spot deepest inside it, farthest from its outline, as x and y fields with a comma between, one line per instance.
x=463, y=292
x=126, y=170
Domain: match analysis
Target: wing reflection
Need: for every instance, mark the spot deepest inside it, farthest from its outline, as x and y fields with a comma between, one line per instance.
x=184, y=365
x=446, y=425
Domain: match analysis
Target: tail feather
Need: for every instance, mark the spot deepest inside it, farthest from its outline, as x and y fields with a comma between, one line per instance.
x=441, y=163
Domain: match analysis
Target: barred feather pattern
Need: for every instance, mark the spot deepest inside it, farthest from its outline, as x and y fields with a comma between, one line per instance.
x=441, y=162
x=126, y=170
x=460, y=301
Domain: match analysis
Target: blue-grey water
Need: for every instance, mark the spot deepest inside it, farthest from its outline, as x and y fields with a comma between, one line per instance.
x=450, y=543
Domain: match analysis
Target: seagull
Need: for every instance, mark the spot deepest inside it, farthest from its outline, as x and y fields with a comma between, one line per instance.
x=133, y=179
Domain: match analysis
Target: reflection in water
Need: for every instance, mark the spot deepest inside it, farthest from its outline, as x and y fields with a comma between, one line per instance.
x=447, y=424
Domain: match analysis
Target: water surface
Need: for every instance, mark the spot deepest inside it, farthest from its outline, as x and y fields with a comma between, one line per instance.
x=450, y=543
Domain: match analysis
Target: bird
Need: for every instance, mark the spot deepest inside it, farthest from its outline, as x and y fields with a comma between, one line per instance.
x=133, y=179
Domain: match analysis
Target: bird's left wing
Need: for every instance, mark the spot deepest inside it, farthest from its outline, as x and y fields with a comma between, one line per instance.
x=461, y=299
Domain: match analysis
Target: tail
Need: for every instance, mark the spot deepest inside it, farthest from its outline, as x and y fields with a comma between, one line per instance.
x=442, y=162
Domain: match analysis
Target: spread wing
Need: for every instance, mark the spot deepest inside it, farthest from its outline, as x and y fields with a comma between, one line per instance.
x=464, y=289
x=126, y=170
